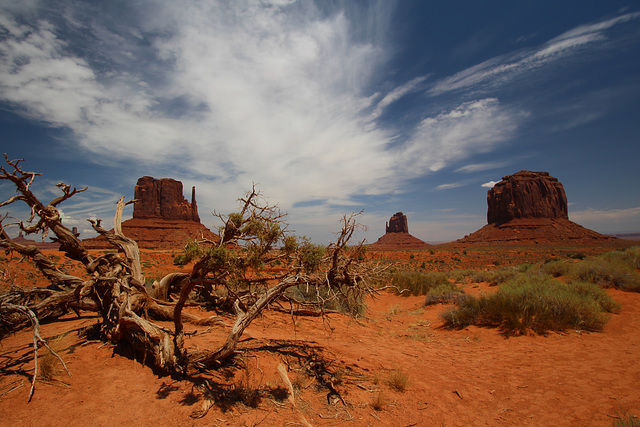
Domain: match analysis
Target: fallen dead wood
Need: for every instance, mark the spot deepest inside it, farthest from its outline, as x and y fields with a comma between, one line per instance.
x=251, y=266
x=37, y=339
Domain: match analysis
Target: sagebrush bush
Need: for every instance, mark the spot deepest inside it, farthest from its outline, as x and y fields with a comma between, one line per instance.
x=610, y=270
x=536, y=303
x=444, y=293
x=417, y=283
x=492, y=277
x=557, y=268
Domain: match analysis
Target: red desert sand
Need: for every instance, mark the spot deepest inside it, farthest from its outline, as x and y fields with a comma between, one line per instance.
x=394, y=366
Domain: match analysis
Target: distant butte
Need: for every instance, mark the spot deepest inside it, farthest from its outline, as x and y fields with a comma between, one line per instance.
x=163, y=199
x=397, y=235
x=530, y=207
x=162, y=217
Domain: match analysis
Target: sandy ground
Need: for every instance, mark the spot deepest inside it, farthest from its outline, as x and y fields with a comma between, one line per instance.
x=474, y=376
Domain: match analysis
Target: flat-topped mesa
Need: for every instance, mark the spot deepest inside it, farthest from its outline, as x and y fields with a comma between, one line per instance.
x=526, y=194
x=397, y=224
x=163, y=199
x=530, y=208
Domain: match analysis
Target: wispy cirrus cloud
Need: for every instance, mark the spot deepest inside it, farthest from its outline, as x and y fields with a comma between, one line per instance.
x=395, y=95
x=269, y=92
x=499, y=70
x=607, y=217
x=470, y=128
x=479, y=167
x=450, y=185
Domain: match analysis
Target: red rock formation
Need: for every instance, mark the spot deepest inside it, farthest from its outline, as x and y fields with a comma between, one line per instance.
x=162, y=217
x=536, y=231
x=163, y=199
x=526, y=195
x=397, y=224
x=530, y=208
x=397, y=235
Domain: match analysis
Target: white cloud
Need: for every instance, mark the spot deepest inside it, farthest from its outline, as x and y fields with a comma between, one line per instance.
x=395, y=95
x=608, y=220
x=472, y=127
x=479, y=167
x=271, y=95
x=496, y=71
x=489, y=184
x=449, y=186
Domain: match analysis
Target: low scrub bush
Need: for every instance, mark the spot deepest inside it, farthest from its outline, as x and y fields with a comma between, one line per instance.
x=610, y=270
x=557, y=268
x=444, y=293
x=417, y=283
x=344, y=300
x=626, y=419
x=492, y=277
x=536, y=303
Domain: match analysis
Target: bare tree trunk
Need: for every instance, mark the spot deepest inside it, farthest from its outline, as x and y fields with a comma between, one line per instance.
x=121, y=292
x=243, y=320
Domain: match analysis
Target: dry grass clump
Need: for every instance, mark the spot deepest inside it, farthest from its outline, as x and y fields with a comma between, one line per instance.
x=398, y=380
x=616, y=269
x=536, y=303
x=492, y=277
x=49, y=366
x=626, y=419
x=417, y=283
x=379, y=401
x=443, y=294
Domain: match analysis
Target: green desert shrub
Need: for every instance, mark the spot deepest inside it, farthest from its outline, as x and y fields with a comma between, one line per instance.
x=626, y=419
x=557, y=268
x=493, y=277
x=536, y=303
x=417, y=283
x=444, y=293
x=610, y=270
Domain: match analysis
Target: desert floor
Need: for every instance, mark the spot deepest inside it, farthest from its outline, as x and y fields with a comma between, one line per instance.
x=474, y=376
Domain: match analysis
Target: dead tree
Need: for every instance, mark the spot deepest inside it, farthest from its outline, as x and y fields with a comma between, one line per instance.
x=114, y=285
x=254, y=264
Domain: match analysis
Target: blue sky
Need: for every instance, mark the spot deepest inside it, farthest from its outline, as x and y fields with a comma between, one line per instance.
x=329, y=107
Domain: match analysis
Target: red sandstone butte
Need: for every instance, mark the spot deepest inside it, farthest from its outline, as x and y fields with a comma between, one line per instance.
x=530, y=207
x=163, y=199
x=397, y=235
x=526, y=194
x=162, y=217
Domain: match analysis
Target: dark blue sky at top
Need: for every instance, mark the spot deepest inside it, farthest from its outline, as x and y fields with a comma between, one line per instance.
x=330, y=107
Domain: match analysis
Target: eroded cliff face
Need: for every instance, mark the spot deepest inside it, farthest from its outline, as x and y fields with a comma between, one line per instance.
x=397, y=235
x=530, y=208
x=163, y=199
x=526, y=194
x=397, y=224
x=162, y=217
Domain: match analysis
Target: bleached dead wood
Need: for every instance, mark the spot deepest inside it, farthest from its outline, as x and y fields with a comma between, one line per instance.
x=37, y=339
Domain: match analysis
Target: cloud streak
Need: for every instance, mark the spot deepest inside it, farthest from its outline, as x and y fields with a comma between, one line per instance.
x=506, y=68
